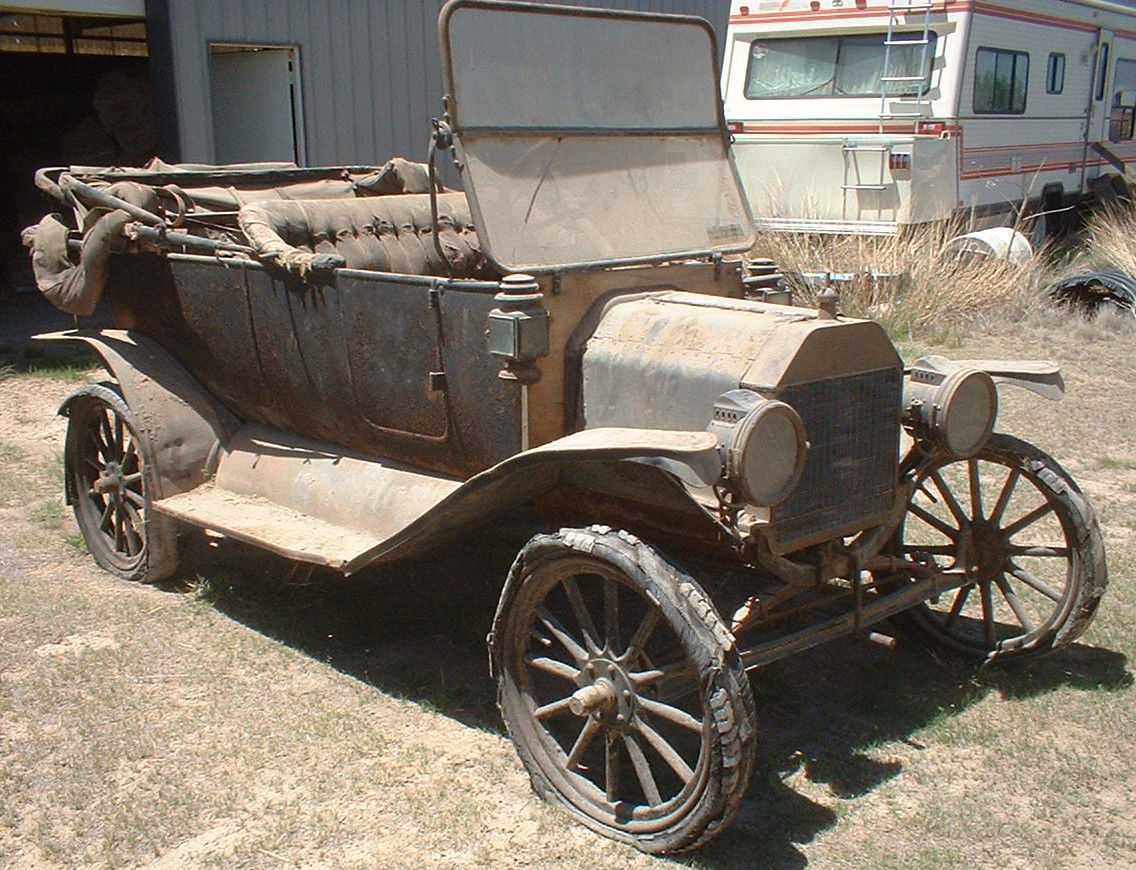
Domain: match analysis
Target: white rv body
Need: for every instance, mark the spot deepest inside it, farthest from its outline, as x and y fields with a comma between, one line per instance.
x=933, y=109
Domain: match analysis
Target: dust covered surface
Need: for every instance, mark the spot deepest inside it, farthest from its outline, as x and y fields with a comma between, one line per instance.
x=255, y=713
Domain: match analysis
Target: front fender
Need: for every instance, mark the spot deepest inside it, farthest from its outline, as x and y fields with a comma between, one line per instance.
x=1037, y=376
x=648, y=467
x=184, y=423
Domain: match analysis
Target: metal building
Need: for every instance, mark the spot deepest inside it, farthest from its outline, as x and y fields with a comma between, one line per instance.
x=321, y=82
x=318, y=82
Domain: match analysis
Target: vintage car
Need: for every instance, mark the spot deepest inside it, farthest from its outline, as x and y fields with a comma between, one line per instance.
x=348, y=366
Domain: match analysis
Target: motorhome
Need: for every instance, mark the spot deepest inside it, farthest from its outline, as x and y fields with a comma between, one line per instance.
x=871, y=116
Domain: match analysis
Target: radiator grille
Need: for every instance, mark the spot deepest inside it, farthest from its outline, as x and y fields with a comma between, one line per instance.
x=852, y=424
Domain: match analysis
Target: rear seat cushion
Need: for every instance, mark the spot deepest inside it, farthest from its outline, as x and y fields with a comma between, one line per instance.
x=381, y=234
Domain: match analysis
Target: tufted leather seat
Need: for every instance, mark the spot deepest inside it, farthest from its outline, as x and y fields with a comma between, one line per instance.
x=378, y=233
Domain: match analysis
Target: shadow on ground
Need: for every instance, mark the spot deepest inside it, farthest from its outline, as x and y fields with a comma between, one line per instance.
x=416, y=629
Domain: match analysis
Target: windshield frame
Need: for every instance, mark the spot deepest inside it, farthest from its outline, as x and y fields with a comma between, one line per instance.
x=706, y=125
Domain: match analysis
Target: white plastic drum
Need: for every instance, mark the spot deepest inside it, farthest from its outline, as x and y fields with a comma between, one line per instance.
x=1000, y=243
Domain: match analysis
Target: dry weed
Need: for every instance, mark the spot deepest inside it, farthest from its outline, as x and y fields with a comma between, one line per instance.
x=910, y=283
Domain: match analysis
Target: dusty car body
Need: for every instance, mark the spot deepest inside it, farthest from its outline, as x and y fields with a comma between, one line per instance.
x=353, y=365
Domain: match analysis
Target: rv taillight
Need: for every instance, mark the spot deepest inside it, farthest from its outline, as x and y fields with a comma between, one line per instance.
x=861, y=4
x=899, y=160
x=743, y=10
x=734, y=126
x=815, y=6
x=932, y=128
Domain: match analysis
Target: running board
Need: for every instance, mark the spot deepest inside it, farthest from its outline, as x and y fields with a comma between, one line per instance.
x=256, y=520
x=305, y=500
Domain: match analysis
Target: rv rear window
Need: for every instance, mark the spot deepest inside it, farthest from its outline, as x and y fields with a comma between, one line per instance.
x=840, y=66
x=1001, y=78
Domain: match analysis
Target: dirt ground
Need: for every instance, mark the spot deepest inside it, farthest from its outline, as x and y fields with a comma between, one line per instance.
x=253, y=713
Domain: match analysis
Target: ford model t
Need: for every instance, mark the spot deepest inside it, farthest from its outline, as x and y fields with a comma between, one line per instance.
x=351, y=366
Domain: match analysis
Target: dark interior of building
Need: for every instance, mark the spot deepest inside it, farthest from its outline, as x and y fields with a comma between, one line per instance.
x=76, y=91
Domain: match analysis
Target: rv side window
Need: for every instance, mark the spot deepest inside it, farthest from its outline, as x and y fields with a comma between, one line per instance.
x=1122, y=123
x=1000, y=81
x=1055, y=74
x=839, y=66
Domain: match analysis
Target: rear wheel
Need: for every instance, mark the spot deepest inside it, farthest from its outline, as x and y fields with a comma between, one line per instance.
x=622, y=690
x=110, y=485
x=1015, y=521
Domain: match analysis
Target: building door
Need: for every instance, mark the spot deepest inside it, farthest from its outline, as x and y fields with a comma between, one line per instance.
x=255, y=97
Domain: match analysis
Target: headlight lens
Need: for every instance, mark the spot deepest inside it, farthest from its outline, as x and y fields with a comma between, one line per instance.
x=958, y=413
x=763, y=443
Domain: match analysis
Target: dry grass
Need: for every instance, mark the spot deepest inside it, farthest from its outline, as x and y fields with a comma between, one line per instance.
x=911, y=283
x=1109, y=239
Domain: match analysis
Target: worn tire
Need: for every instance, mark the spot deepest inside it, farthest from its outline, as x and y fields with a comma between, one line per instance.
x=707, y=685
x=110, y=485
x=1077, y=561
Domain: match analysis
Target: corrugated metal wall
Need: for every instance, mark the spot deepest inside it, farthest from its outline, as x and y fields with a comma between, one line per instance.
x=369, y=69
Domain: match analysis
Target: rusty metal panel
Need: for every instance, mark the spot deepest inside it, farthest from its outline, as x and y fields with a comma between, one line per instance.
x=366, y=363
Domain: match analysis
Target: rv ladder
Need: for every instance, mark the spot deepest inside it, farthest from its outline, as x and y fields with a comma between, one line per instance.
x=854, y=175
x=899, y=13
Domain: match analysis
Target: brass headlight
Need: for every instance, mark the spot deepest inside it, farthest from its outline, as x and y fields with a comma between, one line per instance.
x=956, y=412
x=763, y=445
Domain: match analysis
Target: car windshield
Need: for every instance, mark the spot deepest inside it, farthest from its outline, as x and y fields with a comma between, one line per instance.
x=838, y=66
x=599, y=136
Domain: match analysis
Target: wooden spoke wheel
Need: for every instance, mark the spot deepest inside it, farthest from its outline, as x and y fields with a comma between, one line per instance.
x=621, y=690
x=1015, y=521
x=109, y=485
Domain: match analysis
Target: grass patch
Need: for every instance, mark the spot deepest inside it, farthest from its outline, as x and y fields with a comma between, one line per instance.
x=911, y=283
x=48, y=513
x=71, y=362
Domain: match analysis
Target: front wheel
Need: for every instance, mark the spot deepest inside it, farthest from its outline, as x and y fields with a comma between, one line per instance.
x=1015, y=522
x=622, y=690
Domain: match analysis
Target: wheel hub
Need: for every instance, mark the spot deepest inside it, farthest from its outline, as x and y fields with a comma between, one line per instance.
x=985, y=549
x=606, y=692
x=111, y=479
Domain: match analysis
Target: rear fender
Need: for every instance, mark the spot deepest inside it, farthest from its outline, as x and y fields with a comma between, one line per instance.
x=184, y=423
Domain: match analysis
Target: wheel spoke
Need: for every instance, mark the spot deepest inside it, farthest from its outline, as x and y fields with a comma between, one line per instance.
x=119, y=528
x=105, y=519
x=611, y=766
x=975, y=488
x=611, y=615
x=551, y=709
x=97, y=466
x=957, y=605
x=553, y=666
x=107, y=436
x=671, y=714
x=1037, y=550
x=589, y=731
x=932, y=520
x=119, y=436
x=987, y=613
x=949, y=497
x=642, y=634
x=931, y=549
x=561, y=634
x=583, y=617
x=1015, y=604
x=1004, y=495
x=665, y=750
x=1029, y=519
x=1035, y=584
x=642, y=770
x=129, y=453
x=134, y=497
x=134, y=518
